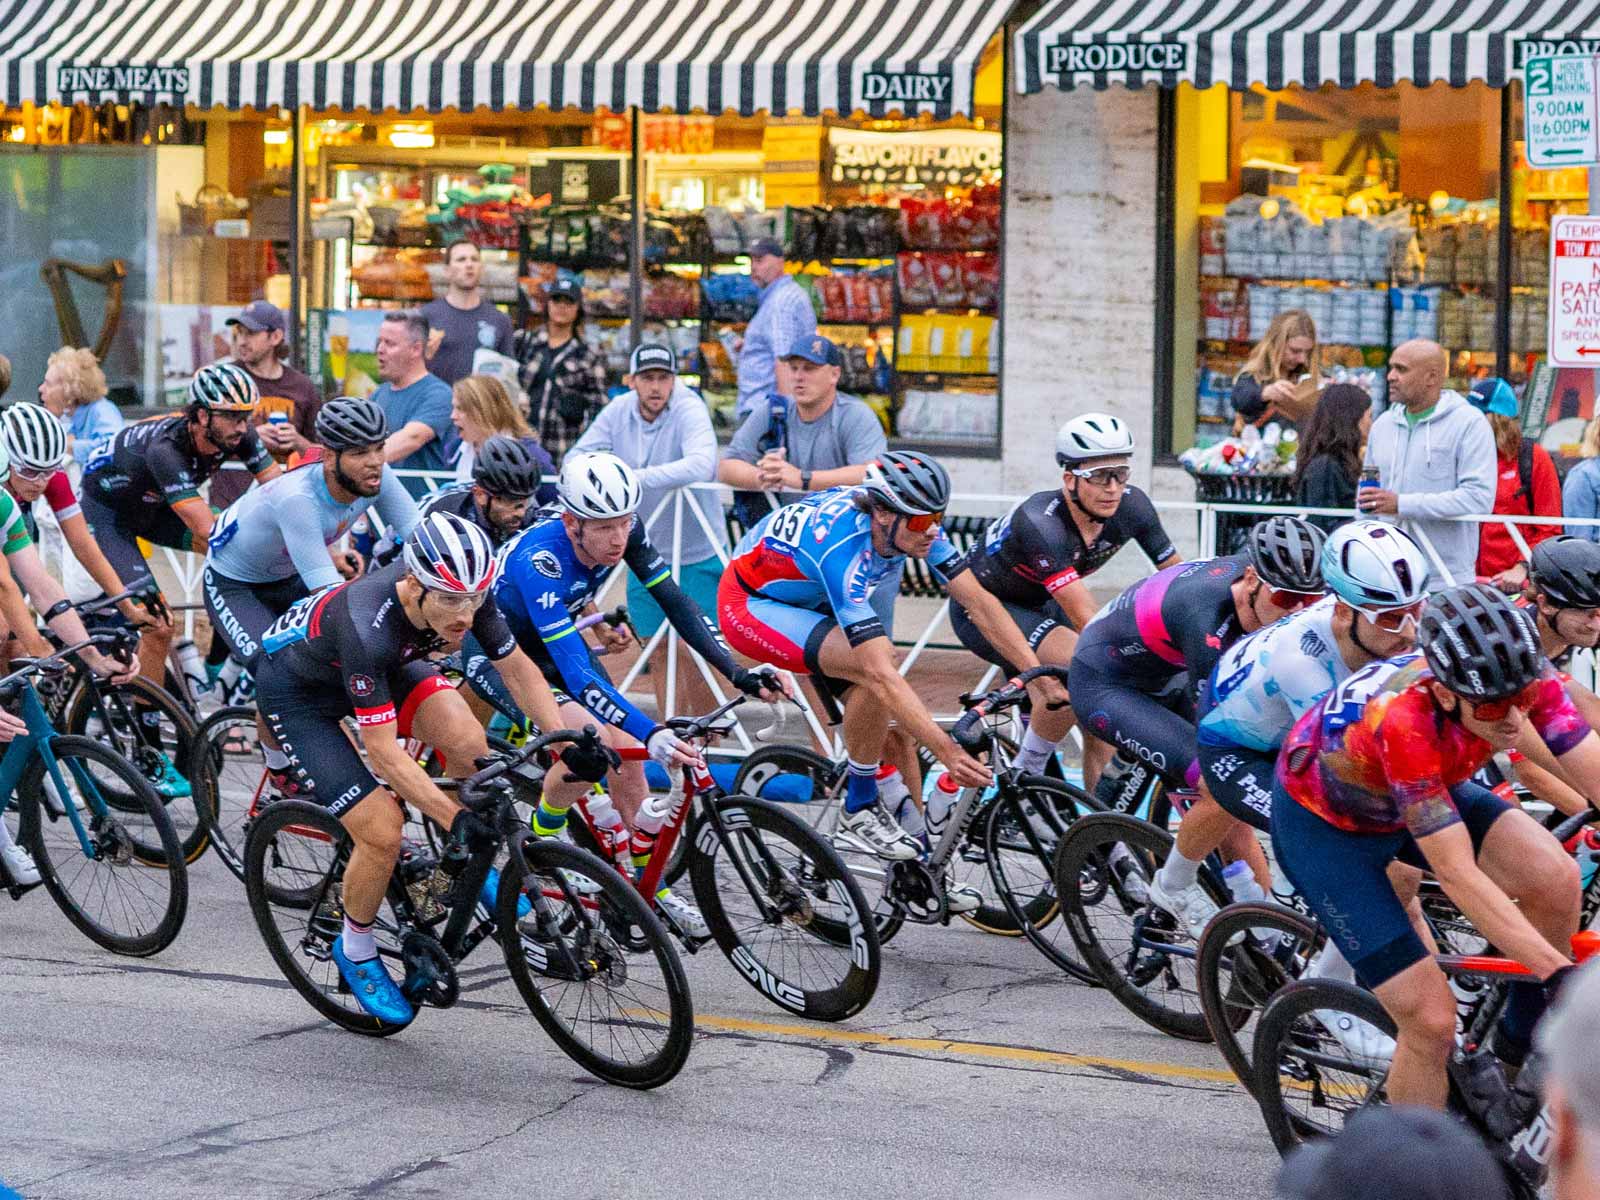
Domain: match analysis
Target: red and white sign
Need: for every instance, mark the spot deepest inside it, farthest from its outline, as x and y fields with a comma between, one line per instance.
x=1575, y=292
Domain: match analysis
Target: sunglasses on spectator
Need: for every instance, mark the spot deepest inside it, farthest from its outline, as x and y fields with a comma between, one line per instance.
x=1283, y=598
x=1105, y=476
x=1394, y=620
x=32, y=475
x=923, y=522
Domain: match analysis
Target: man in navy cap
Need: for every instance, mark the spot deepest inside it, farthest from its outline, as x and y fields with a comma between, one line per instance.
x=286, y=418
x=783, y=318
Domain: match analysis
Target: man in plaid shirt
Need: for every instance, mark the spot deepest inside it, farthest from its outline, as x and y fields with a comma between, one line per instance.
x=564, y=377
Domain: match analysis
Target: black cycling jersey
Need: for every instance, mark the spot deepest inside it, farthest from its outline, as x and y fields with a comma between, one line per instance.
x=458, y=502
x=1037, y=549
x=152, y=465
x=355, y=635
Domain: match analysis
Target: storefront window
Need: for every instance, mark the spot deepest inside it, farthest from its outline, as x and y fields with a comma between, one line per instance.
x=1372, y=209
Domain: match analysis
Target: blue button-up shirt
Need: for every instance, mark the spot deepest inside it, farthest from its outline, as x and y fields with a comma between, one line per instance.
x=783, y=317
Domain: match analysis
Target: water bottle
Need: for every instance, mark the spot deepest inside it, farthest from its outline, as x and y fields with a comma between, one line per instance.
x=193, y=666
x=940, y=802
x=228, y=680
x=658, y=810
x=609, y=829
x=1123, y=783
x=1241, y=881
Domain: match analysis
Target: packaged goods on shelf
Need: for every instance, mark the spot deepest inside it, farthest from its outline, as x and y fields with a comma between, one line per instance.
x=394, y=275
x=671, y=297
x=955, y=416
x=611, y=343
x=1291, y=246
x=1417, y=312
x=817, y=233
x=861, y=297
x=1224, y=312
x=933, y=222
x=947, y=342
x=732, y=297
x=499, y=280
x=1212, y=256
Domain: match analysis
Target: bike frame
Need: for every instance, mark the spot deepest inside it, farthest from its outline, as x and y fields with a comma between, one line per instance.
x=20, y=753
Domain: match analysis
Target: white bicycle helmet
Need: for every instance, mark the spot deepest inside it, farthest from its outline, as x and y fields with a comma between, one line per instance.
x=598, y=486
x=34, y=438
x=1371, y=564
x=447, y=554
x=1093, y=435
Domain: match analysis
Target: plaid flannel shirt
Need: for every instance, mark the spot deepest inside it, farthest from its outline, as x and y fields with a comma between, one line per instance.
x=577, y=381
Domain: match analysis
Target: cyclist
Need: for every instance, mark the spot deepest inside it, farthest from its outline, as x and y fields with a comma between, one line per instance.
x=360, y=650
x=552, y=572
x=1133, y=667
x=1265, y=682
x=1381, y=770
x=505, y=478
x=145, y=481
x=797, y=595
x=1035, y=559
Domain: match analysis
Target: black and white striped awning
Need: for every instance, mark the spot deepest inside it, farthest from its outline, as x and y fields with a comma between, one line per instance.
x=804, y=56
x=1097, y=43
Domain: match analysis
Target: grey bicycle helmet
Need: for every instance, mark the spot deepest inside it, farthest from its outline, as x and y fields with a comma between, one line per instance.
x=1478, y=643
x=908, y=482
x=1287, y=553
x=1567, y=571
x=505, y=467
x=345, y=423
x=224, y=387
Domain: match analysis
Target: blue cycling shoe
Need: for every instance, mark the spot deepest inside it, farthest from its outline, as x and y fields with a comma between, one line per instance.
x=170, y=785
x=372, y=987
x=490, y=895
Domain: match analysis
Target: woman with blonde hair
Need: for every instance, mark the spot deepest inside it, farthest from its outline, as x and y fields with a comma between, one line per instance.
x=1269, y=386
x=480, y=408
x=1580, y=495
x=74, y=389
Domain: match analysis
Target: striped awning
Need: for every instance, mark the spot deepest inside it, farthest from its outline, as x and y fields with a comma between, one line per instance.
x=804, y=56
x=1274, y=43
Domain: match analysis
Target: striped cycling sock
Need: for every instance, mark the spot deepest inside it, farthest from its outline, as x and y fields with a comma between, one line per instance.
x=861, y=787
x=547, y=821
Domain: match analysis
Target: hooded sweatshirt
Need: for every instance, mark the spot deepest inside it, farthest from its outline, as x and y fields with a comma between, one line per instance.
x=1442, y=466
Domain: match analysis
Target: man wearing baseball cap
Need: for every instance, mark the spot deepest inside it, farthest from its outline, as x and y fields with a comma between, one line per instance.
x=661, y=428
x=564, y=377
x=286, y=418
x=783, y=318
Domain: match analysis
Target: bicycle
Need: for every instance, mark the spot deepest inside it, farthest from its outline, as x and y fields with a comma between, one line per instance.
x=805, y=940
x=99, y=835
x=588, y=957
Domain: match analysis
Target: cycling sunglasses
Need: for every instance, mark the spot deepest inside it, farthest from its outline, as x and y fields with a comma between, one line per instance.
x=460, y=601
x=1492, y=710
x=1105, y=476
x=923, y=522
x=31, y=474
x=1283, y=598
x=1395, y=620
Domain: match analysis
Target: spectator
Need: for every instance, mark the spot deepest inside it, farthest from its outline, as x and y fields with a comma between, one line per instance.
x=1580, y=495
x=258, y=347
x=1527, y=485
x=1329, y=461
x=1385, y=1153
x=74, y=389
x=416, y=403
x=1566, y=1039
x=479, y=409
x=662, y=430
x=1435, y=458
x=1269, y=387
x=463, y=319
x=784, y=318
x=564, y=376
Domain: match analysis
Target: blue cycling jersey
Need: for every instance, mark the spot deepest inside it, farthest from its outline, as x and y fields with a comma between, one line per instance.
x=817, y=554
x=285, y=527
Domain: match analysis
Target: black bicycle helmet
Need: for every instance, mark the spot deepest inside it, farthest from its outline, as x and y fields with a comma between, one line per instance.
x=1567, y=571
x=908, y=482
x=345, y=423
x=1287, y=553
x=505, y=467
x=1478, y=643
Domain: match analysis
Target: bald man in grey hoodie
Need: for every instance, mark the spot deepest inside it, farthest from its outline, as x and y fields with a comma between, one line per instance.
x=1435, y=458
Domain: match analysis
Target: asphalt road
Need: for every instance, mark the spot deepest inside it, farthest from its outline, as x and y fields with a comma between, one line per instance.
x=978, y=1071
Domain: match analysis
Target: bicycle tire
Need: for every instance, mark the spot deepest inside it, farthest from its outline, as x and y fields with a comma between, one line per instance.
x=850, y=951
x=225, y=777
x=1084, y=873
x=820, y=811
x=310, y=909
x=1282, y=1032
x=177, y=747
x=1022, y=867
x=1255, y=972
x=603, y=933
x=113, y=876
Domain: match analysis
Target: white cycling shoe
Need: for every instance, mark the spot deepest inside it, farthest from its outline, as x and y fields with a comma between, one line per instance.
x=1363, y=1041
x=20, y=865
x=1191, y=906
x=683, y=913
x=874, y=830
x=958, y=896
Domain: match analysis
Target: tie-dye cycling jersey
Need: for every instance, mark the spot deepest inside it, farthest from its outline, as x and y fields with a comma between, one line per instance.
x=1379, y=754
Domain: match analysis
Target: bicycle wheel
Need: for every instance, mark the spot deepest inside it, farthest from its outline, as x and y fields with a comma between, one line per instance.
x=150, y=728
x=1307, y=1082
x=595, y=966
x=123, y=895
x=806, y=941
x=229, y=775
x=1137, y=952
x=1020, y=835
x=294, y=862
x=1248, y=953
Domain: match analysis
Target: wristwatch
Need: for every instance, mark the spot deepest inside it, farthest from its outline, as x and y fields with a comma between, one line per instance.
x=805, y=481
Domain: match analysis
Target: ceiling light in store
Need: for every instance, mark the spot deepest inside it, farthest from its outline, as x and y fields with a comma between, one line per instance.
x=275, y=137
x=1439, y=201
x=411, y=137
x=18, y=134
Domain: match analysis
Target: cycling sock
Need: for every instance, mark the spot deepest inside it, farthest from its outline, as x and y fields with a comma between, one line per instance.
x=358, y=941
x=1035, y=752
x=892, y=787
x=1330, y=963
x=277, y=760
x=1179, y=872
x=640, y=847
x=214, y=670
x=1525, y=1004
x=861, y=788
x=547, y=821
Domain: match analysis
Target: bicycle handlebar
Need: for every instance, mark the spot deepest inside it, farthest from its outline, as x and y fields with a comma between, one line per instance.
x=589, y=738
x=699, y=727
x=142, y=591
x=54, y=664
x=968, y=733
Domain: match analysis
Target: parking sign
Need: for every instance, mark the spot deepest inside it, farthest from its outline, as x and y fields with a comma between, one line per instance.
x=1559, y=111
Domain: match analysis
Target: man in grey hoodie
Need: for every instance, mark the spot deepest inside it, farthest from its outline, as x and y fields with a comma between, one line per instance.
x=661, y=429
x=1435, y=458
